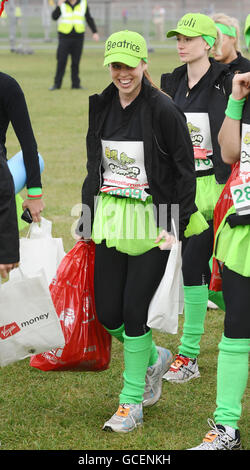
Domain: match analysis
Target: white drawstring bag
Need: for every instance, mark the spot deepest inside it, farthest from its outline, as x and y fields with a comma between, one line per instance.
x=39, y=250
x=168, y=300
x=28, y=320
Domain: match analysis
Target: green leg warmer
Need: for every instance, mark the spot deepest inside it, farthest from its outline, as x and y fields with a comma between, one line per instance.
x=232, y=376
x=118, y=334
x=195, y=309
x=136, y=358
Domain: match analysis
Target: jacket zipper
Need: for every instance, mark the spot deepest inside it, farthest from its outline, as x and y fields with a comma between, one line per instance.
x=100, y=177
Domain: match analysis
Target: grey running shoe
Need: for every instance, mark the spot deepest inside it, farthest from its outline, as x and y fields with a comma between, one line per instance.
x=127, y=418
x=154, y=376
x=182, y=370
x=218, y=439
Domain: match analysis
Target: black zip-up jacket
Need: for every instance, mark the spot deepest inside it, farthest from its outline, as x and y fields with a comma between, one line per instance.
x=220, y=89
x=168, y=153
x=240, y=65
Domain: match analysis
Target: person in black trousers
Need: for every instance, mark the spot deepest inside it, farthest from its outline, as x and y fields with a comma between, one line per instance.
x=71, y=15
x=9, y=237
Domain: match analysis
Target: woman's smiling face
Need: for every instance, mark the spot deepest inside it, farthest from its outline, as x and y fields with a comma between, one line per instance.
x=127, y=79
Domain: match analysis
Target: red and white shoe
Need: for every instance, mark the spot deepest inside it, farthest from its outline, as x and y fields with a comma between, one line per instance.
x=182, y=370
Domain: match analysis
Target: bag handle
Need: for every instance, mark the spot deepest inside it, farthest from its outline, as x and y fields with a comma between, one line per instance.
x=40, y=229
x=21, y=273
x=174, y=228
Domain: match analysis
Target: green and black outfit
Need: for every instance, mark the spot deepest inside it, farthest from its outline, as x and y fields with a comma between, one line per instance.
x=232, y=248
x=204, y=106
x=140, y=162
x=14, y=111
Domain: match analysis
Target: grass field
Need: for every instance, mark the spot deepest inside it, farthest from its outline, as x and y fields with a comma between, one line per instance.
x=66, y=410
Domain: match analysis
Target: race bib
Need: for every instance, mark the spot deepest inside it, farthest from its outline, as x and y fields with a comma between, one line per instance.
x=124, y=170
x=245, y=149
x=201, y=164
x=240, y=190
x=199, y=130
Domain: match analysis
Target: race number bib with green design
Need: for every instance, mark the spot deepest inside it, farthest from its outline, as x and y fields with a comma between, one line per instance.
x=200, y=133
x=245, y=150
x=201, y=164
x=240, y=190
x=240, y=187
x=124, y=172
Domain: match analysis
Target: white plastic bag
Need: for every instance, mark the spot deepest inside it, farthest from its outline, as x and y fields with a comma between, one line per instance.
x=168, y=300
x=39, y=250
x=28, y=320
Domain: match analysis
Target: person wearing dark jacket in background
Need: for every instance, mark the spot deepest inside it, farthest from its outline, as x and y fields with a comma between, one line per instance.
x=71, y=15
x=14, y=111
x=200, y=88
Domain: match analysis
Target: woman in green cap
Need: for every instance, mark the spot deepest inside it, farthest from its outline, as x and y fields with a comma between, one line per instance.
x=139, y=163
x=200, y=88
x=233, y=252
x=230, y=53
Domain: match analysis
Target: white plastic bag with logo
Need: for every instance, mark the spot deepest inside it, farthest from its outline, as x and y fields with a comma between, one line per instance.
x=28, y=320
x=39, y=250
x=168, y=300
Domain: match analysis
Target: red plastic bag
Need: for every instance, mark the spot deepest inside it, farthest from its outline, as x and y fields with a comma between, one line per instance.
x=224, y=203
x=87, y=343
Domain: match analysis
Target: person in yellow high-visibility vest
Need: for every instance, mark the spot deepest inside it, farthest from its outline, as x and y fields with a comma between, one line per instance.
x=71, y=15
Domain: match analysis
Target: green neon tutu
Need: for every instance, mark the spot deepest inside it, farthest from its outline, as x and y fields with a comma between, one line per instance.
x=197, y=224
x=19, y=210
x=208, y=192
x=123, y=224
x=233, y=246
x=126, y=224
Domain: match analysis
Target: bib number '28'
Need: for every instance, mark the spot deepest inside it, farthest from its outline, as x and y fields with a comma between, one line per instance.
x=240, y=190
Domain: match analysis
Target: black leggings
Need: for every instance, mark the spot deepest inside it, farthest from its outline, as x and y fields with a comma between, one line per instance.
x=125, y=285
x=236, y=292
x=197, y=251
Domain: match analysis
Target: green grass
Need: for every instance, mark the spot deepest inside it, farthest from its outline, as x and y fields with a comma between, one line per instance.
x=66, y=410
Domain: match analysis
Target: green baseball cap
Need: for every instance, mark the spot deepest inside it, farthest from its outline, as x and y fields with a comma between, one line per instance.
x=194, y=24
x=127, y=47
x=247, y=30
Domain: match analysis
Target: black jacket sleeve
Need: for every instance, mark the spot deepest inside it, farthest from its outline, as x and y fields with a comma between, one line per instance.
x=16, y=109
x=9, y=237
x=90, y=20
x=56, y=13
x=179, y=148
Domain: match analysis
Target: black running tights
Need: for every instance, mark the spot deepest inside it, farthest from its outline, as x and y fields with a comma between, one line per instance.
x=125, y=285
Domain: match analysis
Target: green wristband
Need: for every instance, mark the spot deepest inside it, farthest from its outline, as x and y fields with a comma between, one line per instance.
x=34, y=193
x=235, y=108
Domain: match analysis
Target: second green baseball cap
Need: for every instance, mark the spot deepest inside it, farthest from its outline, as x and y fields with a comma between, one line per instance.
x=127, y=47
x=194, y=24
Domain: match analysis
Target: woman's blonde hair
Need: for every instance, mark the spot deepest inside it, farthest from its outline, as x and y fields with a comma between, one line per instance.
x=229, y=21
